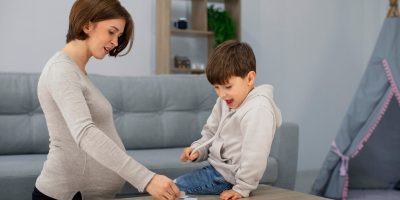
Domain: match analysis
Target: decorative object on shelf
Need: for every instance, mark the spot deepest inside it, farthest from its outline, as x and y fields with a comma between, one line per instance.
x=221, y=23
x=171, y=40
x=181, y=23
x=181, y=62
x=198, y=66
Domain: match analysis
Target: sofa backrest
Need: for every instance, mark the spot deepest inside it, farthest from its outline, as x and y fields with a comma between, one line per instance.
x=22, y=125
x=158, y=111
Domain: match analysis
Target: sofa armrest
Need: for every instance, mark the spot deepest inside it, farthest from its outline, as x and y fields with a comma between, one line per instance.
x=285, y=150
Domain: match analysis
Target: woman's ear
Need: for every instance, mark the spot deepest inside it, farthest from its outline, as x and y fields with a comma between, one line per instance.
x=88, y=27
x=251, y=78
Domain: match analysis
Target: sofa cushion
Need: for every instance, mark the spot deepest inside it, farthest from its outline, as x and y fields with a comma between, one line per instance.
x=18, y=93
x=18, y=173
x=15, y=166
x=169, y=157
x=22, y=125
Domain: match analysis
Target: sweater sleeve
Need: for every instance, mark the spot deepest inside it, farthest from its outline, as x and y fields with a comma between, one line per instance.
x=64, y=84
x=258, y=131
x=208, y=131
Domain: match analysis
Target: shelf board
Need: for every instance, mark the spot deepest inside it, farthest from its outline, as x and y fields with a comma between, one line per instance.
x=191, y=32
x=198, y=71
x=198, y=30
x=188, y=71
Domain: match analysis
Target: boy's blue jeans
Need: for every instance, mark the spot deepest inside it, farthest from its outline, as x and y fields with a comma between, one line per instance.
x=203, y=181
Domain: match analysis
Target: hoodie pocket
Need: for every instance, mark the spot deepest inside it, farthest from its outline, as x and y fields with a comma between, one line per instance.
x=216, y=150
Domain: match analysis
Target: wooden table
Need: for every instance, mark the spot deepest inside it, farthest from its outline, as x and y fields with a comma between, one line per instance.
x=264, y=192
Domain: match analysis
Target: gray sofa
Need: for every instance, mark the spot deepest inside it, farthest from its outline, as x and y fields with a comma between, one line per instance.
x=156, y=116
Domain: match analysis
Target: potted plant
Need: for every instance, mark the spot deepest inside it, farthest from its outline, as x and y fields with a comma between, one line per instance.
x=221, y=23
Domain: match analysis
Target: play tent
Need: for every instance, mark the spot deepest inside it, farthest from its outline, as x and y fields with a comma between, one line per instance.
x=365, y=155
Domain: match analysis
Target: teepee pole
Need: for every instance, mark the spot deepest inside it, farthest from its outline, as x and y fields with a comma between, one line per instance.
x=393, y=11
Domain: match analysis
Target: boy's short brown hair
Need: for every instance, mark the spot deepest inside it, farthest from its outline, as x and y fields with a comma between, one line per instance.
x=85, y=11
x=231, y=58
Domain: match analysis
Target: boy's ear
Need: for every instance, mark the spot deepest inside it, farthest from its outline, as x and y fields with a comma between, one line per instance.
x=251, y=77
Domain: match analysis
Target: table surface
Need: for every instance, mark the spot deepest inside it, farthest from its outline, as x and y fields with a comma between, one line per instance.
x=263, y=192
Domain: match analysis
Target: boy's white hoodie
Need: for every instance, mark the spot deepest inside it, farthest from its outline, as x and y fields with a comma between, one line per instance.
x=237, y=142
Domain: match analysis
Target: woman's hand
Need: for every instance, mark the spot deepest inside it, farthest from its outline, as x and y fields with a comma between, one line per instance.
x=161, y=187
x=230, y=194
x=188, y=154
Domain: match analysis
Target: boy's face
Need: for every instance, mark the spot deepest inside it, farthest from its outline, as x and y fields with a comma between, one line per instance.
x=236, y=90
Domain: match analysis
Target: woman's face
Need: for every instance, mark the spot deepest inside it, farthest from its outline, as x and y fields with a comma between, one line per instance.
x=103, y=36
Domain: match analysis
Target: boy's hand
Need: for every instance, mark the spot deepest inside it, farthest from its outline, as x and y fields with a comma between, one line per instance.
x=188, y=155
x=161, y=187
x=230, y=195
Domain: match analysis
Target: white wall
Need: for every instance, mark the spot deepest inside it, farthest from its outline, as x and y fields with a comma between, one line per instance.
x=32, y=31
x=314, y=52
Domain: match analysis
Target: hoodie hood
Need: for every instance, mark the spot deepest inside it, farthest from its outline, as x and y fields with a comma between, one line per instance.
x=267, y=91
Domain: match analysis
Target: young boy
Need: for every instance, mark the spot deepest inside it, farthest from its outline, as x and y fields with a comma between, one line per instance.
x=237, y=138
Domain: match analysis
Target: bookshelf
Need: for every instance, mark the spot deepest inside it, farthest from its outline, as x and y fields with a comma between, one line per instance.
x=165, y=31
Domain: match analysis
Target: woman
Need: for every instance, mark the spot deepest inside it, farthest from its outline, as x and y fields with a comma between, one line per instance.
x=87, y=159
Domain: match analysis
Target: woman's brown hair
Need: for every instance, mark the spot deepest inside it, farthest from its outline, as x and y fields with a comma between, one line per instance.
x=85, y=11
x=231, y=58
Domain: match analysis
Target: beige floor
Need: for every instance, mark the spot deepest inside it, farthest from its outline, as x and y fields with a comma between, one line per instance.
x=264, y=192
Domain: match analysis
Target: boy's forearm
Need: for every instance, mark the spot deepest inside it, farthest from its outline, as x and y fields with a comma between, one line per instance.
x=248, y=176
x=203, y=155
x=256, y=146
